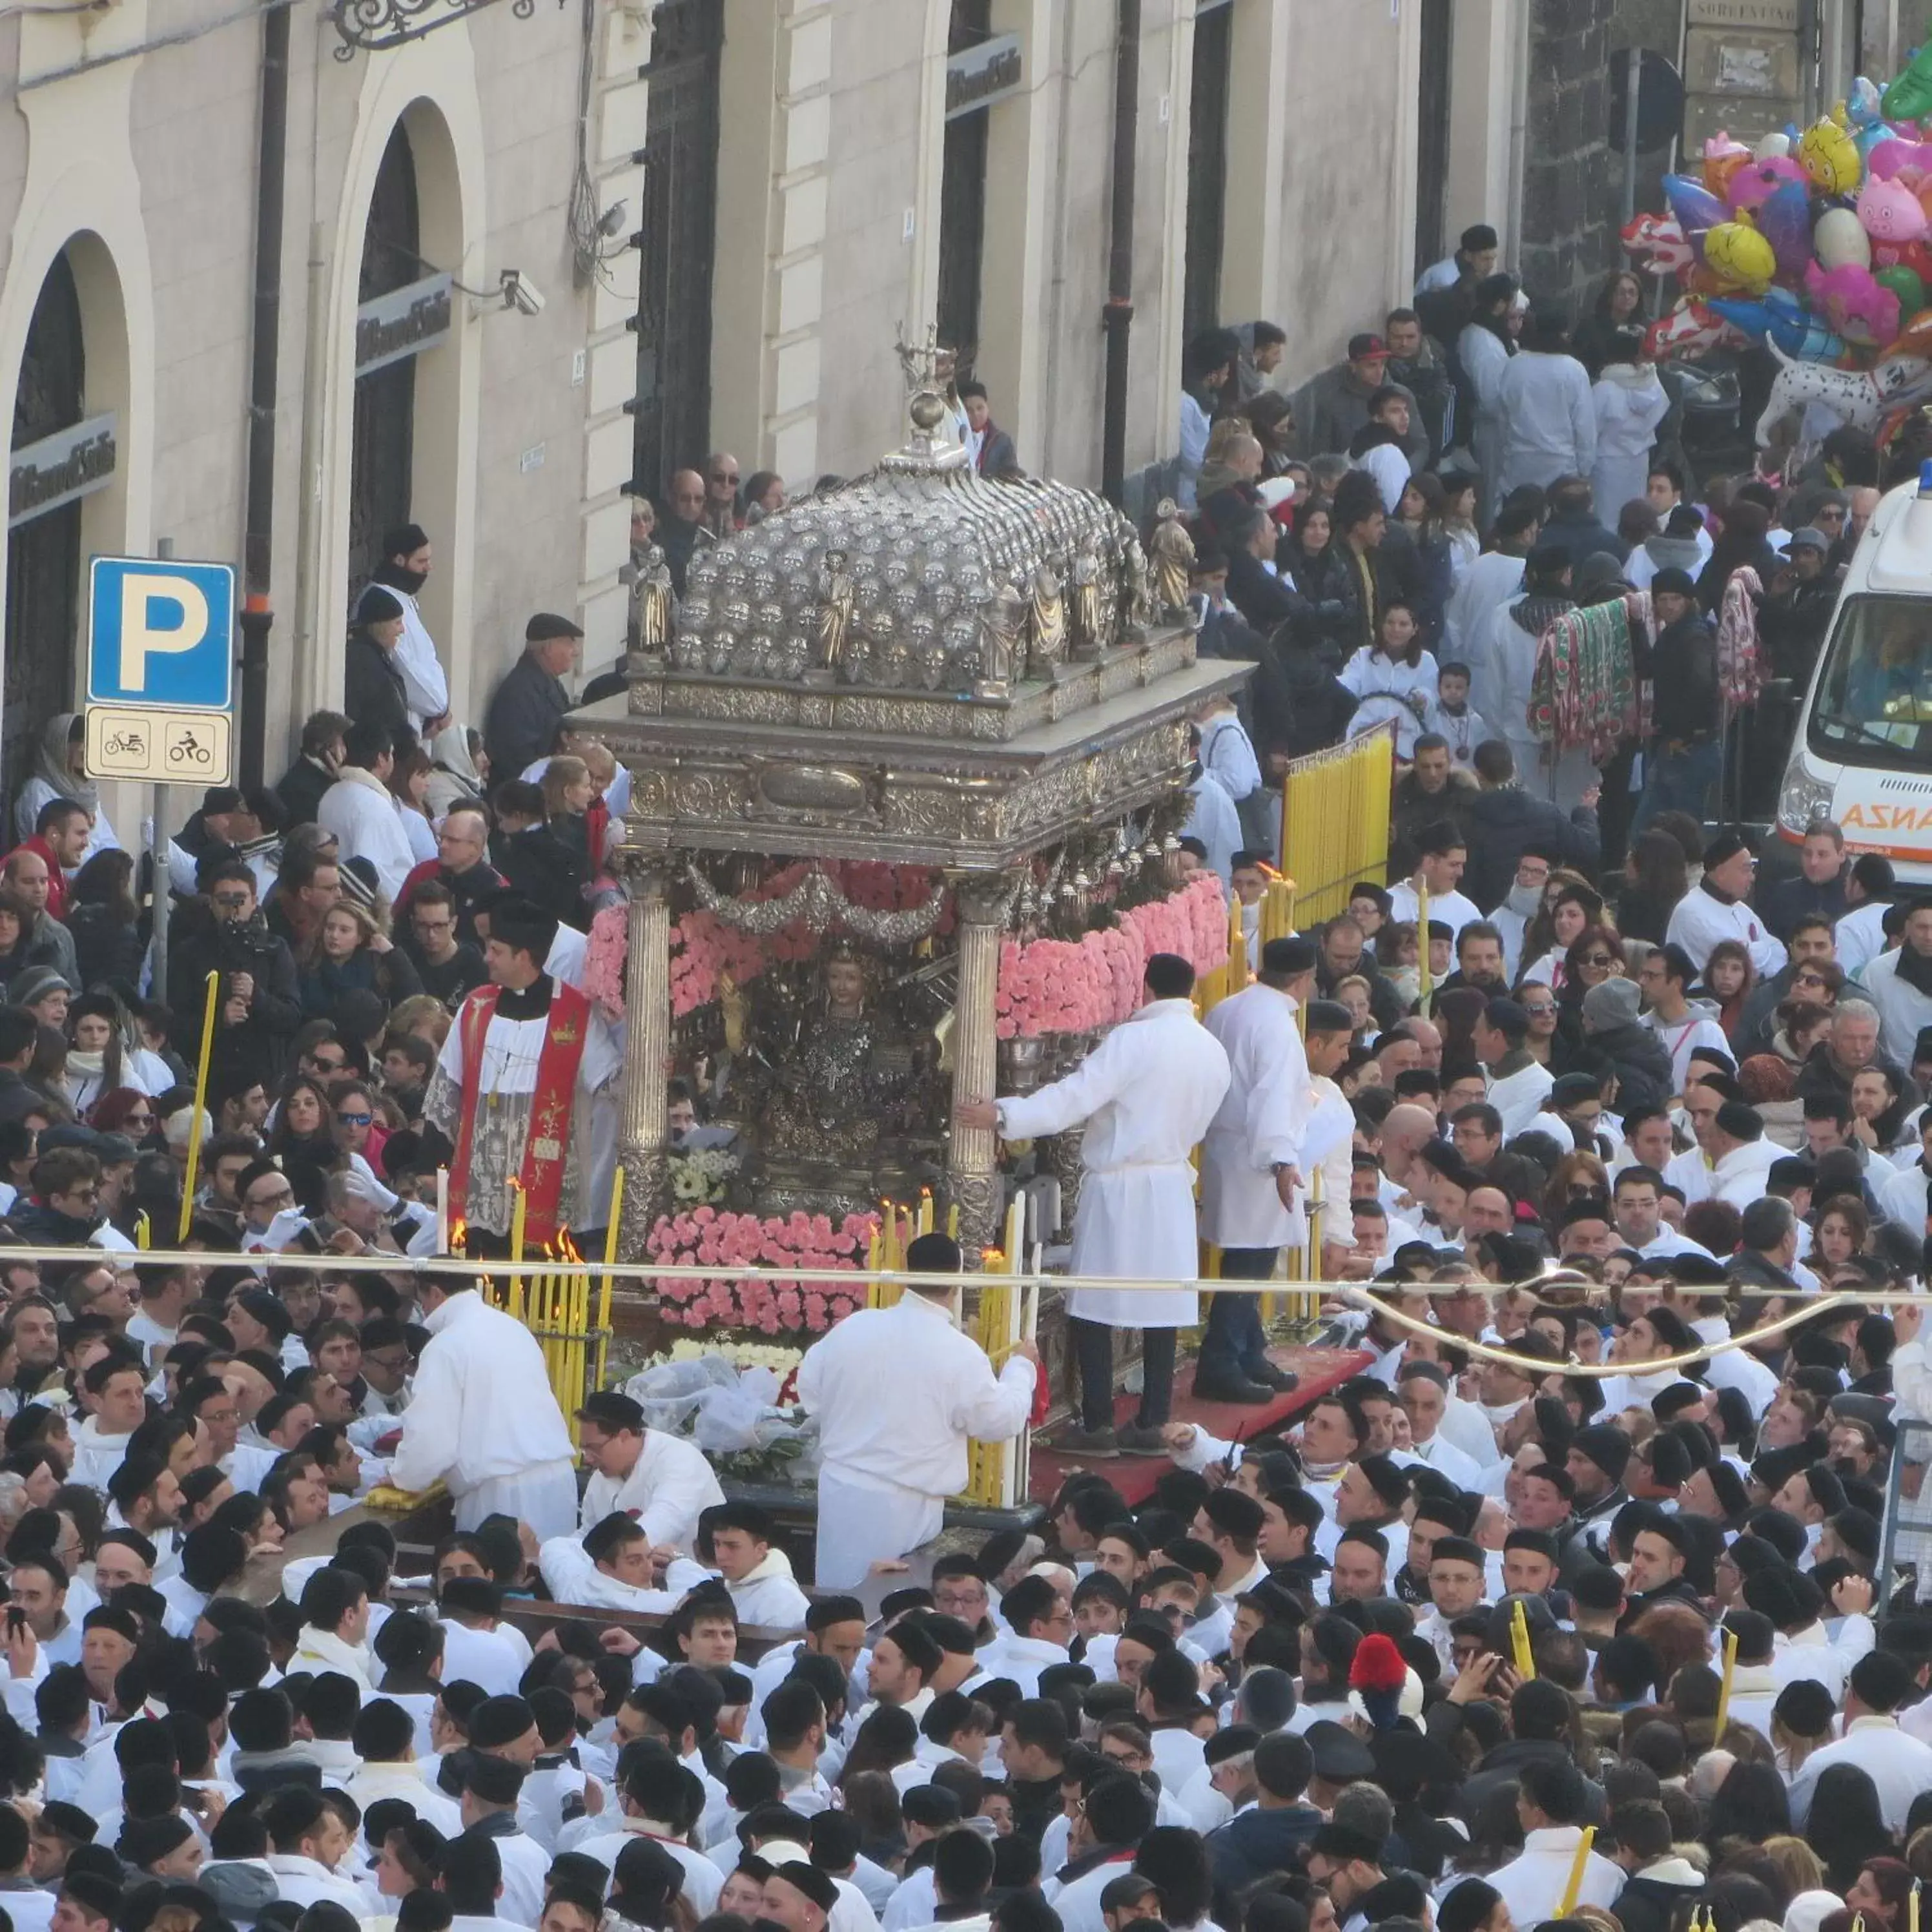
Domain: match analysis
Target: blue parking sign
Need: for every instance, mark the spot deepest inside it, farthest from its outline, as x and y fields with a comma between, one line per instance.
x=161, y=633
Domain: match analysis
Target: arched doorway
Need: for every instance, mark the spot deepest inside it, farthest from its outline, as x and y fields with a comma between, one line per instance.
x=381, y=465
x=53, y=465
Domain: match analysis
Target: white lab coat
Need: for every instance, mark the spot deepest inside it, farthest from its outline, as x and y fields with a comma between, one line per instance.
x=1492, y=581
x=359, y=810
x=1740, y=1177
x=1682, y=1038
x=1533, y=1882
x=1385, y=686
x=1699, y=922
x=1630, y=403
x=1147, y=1094
x=1549, y=423
x=482, y=1419
x=1902, y=1008
x=767, y=1594
x=1859, y=937
x=1501, y=658
x=1519, y=1096
x=670, y=1483
x=899, y=1392
x=1899, y=1765
x=1485, y=357
x=1450, y=909
x=1212, y=818
x=1262, y=1120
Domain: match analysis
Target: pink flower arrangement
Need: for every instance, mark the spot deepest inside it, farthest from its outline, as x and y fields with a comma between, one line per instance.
x=1057, y=986
x=772, y=1303
x=603, y=961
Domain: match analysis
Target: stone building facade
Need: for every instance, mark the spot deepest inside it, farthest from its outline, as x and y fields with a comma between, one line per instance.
x=730, y=209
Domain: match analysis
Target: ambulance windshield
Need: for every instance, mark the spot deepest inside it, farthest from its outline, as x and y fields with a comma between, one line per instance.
x=1874, y=702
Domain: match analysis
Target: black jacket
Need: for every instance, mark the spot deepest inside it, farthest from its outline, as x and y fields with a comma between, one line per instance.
x=104, y=947
x=1504, y=822
x=1581, y=537
x=1643, y=1067
x=1252, y=1844
x=257, y=1048
x=520, y=726
x=372, y=688
x=1413, y=810
x=1786, y=901
x=678, y=540
x=1791, y=623
x=1682, y=667
x=302, y=787
x=540, y=866
x=1264, y=600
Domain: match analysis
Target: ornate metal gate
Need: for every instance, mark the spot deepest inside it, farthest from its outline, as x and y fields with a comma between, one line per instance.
x=673, y=409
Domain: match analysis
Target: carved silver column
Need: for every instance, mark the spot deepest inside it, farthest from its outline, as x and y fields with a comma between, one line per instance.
x=642, y=1134
x=981, y=899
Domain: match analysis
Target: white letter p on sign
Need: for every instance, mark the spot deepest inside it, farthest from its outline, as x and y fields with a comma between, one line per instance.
x=139, y=636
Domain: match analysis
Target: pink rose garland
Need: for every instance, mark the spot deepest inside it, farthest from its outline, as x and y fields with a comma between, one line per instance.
x=772, y=1303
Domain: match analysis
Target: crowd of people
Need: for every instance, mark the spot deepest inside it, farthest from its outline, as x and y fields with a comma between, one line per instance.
x=1475, y=1640
x=1389, y=542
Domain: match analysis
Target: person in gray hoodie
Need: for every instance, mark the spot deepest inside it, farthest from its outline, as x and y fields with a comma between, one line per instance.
x=1331, y=407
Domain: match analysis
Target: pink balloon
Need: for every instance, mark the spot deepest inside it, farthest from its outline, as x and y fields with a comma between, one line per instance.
x=1892, y=157
x=1753, y=184
x=1889, y=211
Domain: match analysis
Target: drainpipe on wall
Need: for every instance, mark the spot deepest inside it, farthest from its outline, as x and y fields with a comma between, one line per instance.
x=1117, y=317
x=258, y=542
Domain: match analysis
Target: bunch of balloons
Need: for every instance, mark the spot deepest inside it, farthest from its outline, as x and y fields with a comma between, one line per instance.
x=1819, y=242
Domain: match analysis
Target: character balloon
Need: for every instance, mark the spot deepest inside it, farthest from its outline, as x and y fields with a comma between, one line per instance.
x=1737, y=254
x=1830, y=156
x=1909, y=97
x=1696, y=207
x=1853, y=303
x=1780, y=318
x=1658, y=243
x=1785, y=222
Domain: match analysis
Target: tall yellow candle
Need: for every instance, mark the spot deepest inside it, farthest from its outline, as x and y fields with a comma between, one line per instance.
x=1578, y=1866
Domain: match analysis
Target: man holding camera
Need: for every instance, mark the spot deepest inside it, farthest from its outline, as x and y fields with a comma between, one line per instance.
x=257, y=1010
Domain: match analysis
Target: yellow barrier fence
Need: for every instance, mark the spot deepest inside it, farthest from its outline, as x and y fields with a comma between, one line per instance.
x=1335, y=821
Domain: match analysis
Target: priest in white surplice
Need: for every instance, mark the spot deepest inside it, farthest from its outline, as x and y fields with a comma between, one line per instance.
x=899, y=1392
x=1251, y=1173
x=1146, y=1094
x=1718, y=907
x=524, y=1091
x=482, y=1418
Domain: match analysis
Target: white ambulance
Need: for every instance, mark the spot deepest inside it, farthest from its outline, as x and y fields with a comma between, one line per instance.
x=1862, y=753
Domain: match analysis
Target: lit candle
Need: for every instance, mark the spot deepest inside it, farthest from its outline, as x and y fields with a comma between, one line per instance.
x=1422, y=944
x=1724, y=1689
x=443, y=1210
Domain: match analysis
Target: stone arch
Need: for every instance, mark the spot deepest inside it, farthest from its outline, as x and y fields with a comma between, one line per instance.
x=431, y=93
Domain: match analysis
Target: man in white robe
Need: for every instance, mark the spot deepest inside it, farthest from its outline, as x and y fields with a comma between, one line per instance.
x=1251, y=1177
x=1490, y=582
x=361, y=815
x=403, y=572
x=1518, y=1082
x=663, y=1482
x=1146, y=1094
x=521, y=1032
x=1549, y=419
x=1718, y=907
x=899, y=1393
x=482, y=1418
x=1899, y=984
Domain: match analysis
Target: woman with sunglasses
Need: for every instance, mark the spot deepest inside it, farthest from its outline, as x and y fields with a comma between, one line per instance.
x=129, y=1112
x=1539, y=1002
x=1595, y=956
x=1570, y=906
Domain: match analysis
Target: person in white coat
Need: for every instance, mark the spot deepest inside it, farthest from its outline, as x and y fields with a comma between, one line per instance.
x=1490, y=582
x=1251, y=1176
x=899, y=1392
x=663, y=1481
x=1484, y=348
x=1551, y=1799
x=359, y=811
x=1717, y=907
x=1899, y=984
x=1501, y=658
x=482, y=1418
x=403, y=572
x=1147, y=1094
x=1550, y=422
x=1630, y=403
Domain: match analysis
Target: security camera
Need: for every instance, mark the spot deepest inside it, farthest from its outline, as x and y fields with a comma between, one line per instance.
x=520, y=293
x=612, y=221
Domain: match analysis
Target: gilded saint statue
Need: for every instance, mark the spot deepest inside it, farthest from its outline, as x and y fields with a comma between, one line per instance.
x=653, y=597
x=1046, y=643
x=835, y=1091
x=1172, y=561
x=835, y=608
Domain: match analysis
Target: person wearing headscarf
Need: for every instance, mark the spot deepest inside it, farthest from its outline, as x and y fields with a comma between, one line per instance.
x=455, y=778
x=59, y=772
